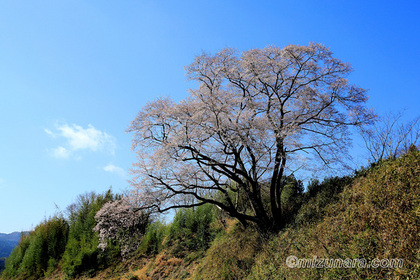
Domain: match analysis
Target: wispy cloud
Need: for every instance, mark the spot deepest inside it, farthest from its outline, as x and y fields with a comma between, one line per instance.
x=76, y=139
x=115, y=169
x=61, y=152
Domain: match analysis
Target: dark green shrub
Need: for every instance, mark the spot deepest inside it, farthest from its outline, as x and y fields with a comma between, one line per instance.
x=330, y=187
x=15, y=258
x=318, y=196
x=192, y=230
x=152, y=241
x=231, y=254
x=291, y=197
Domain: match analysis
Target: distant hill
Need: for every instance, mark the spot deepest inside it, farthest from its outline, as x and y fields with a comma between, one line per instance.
x=8, y=242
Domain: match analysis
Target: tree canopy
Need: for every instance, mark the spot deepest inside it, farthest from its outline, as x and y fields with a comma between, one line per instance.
x=255, y=117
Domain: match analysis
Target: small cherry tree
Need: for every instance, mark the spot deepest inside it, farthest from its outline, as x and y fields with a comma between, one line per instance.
x=254, y=117
x=118, y=221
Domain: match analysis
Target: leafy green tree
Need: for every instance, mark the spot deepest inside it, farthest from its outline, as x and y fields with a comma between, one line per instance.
x=40, y=252
x=82, y=254
x=319, y=195
x=192, y=230
x=291, y=197
x=15, y=258
x=152, y=241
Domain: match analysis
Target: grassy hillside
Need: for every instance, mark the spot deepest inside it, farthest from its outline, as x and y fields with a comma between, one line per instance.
x=378, y=216
x=372, y=216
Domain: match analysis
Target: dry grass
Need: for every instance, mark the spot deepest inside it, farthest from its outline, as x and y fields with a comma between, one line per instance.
x=377, y=217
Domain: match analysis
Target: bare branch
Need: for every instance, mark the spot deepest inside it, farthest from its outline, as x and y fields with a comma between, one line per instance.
x=251, y=114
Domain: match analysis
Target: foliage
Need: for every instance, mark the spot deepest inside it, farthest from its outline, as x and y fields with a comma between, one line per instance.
x=375, y=214
x=152, y=241
x=69, y=244
x=292, y=197
x=8, y=242
x=82, y=253
x=118, y=221
x=192, y=230
x=15, y=259
x=254, y=117
x=39, y=252
x=231, y=255
x=318, y=196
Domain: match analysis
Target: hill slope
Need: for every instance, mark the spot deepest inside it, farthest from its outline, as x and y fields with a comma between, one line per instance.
x=376, y=218
x=8, y=242
x=374, y=215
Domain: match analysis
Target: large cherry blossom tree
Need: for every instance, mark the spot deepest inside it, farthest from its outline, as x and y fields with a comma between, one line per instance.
x=254, y=117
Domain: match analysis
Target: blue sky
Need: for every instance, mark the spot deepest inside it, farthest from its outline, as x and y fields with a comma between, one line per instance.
x=74, y=74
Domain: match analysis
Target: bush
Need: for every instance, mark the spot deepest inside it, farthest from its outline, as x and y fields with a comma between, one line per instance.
x=231, y=255
x=318, y=196
x=291, y=197
x=192, y=230
x=152, y=241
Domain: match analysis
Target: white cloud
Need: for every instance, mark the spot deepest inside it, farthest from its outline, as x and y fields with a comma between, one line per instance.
x=61, y=152
x=115, y=169
x=78, y=138
x=49, y=132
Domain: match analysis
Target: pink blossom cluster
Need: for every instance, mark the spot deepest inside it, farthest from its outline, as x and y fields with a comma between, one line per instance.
x=254, y=117
x=119, y=221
